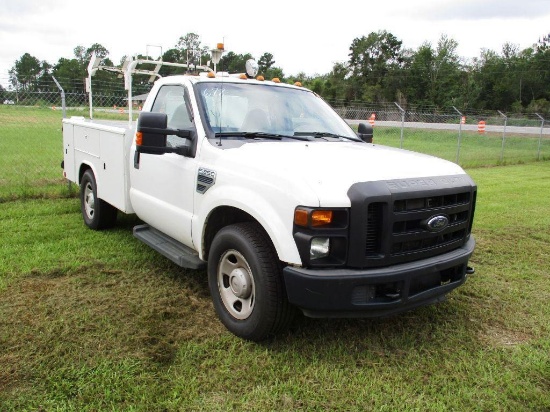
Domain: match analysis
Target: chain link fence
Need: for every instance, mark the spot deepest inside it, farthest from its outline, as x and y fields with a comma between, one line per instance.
x=469, y=138
x=31, y=134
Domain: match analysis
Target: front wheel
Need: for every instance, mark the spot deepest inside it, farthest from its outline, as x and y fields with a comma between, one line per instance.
x=246, y=284
x=97, y=213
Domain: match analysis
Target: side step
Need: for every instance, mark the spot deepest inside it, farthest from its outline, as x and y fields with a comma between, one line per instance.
x=177, y=252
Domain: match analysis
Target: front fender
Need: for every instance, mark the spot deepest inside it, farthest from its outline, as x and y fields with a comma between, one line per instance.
x=273, y=210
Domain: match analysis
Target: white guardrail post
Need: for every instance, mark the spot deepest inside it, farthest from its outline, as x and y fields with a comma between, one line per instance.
x=503, y=134
x=459, y=133
x=402, y=123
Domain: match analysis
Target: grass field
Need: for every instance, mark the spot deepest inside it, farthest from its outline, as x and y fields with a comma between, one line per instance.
x=98, y=321
x=94, y=321
x=31, y=147
x=475, y=149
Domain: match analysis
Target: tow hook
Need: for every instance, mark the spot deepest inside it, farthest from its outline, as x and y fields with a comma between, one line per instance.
x=470, y=270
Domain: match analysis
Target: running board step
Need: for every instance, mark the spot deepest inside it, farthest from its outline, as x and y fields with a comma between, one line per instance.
x=177, y=252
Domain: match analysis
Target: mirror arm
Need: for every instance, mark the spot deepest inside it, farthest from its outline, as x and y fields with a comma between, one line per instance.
x=181, y=150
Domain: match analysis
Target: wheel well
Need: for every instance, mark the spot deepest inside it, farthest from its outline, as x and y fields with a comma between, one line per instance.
x=83, y=168
x=219, y=218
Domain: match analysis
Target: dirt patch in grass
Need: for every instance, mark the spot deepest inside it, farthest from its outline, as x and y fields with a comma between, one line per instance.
x=48, y=320
x=501, y=337
x=45, y=182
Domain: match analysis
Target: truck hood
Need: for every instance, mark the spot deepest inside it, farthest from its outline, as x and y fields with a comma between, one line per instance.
x=330, y=168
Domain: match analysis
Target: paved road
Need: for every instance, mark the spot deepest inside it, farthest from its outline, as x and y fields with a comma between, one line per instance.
x=465, y=127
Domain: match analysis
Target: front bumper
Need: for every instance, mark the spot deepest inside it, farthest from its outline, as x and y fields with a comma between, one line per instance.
x=377, y=292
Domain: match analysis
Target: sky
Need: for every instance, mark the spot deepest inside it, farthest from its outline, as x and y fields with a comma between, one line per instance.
x=303, y=36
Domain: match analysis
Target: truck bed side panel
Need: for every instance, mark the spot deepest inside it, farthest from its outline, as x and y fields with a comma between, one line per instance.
x=68, y=153
x=104, y=149
x=86, y=140
x=112, y=172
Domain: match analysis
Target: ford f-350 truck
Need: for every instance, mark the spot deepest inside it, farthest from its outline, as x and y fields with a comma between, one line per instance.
x=271, y=191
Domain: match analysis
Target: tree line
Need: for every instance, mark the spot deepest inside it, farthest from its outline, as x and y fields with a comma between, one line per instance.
x=379, y=70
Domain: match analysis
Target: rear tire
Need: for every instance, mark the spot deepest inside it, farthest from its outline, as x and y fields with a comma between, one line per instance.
x=246, y=283
x=97, y=213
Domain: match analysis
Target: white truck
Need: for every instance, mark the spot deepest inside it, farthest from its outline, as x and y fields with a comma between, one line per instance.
x=271, y=191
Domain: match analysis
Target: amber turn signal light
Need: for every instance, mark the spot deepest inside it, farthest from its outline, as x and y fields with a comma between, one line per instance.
x=313, y=218
x=300, y=217
x=321, y=217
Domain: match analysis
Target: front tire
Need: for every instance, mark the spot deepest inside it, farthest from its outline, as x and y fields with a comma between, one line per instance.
x=246, y=284
x=97, y=213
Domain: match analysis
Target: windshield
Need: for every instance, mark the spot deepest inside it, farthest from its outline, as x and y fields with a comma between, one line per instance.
x=263, y=111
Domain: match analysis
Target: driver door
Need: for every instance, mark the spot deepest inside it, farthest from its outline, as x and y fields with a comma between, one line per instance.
x=163, y=186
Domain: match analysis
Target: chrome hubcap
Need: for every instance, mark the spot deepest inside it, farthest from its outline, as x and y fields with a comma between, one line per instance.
x=236, y=284
x=89, y=201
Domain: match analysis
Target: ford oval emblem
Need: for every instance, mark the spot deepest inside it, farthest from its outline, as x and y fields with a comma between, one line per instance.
x=437, y=223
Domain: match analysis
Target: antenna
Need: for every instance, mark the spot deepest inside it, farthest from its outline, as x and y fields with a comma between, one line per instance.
x=221, y=114
x=220, y=46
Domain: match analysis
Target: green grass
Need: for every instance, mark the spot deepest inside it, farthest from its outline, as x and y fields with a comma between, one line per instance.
x=31, y=147
x=475, y=149
x=98, y=321
x=31, y=152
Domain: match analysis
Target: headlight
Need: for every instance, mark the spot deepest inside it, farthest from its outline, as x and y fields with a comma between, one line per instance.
x=320, y=248
x=321, y=235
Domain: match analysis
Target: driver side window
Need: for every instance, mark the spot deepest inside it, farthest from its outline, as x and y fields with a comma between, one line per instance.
x=171, y=99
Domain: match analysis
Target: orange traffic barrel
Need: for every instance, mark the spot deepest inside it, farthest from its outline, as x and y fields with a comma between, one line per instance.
x=481, y=126
x=372, y=119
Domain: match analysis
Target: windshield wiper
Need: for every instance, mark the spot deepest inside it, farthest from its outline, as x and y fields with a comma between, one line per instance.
x=259, y=135
x=250, y=135
x=326, y=134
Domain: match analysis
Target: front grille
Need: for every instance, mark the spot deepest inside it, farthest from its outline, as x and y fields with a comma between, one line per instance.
x=373, y=230
x=431, y=202
x=396, y=223
x=410, y=232
x=425, y=243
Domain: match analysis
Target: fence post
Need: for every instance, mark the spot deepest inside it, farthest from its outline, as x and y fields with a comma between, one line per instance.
x=402, y=123
x=541, y=130
x=62, y=96
x=503, y=134
x=459, y=133
x=63, y=106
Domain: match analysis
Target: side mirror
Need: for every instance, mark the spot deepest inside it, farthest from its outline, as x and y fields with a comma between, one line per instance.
x=365, y=132
x=151, y=135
